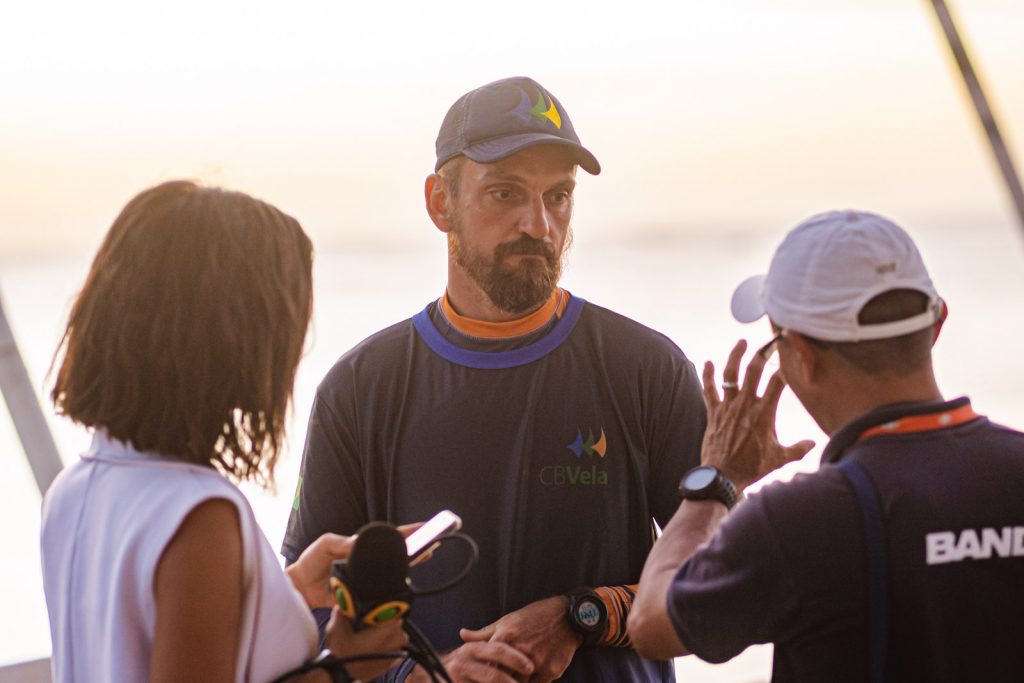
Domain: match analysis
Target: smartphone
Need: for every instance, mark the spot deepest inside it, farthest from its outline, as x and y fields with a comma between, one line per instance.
x=425, y=539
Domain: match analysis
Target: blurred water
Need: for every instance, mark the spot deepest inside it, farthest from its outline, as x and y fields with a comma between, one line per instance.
x=679, y=285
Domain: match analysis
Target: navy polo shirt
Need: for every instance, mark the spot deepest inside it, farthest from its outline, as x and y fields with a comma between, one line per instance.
x=788, y=566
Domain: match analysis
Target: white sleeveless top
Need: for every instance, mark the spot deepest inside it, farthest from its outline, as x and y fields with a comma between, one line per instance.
x=106, y=522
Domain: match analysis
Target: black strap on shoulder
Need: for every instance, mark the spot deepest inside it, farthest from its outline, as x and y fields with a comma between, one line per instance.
x=878, y=580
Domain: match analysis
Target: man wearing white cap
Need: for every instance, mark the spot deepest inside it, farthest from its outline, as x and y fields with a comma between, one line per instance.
x=902, y=558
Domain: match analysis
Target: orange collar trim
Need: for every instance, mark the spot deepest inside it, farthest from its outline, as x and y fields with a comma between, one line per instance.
x=482, y=329
x=923, y=423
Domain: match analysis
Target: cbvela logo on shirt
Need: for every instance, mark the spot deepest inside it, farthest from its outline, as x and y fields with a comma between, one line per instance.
x=586, y=468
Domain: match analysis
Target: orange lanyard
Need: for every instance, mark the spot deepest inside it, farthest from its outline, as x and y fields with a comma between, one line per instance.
x=923, y=423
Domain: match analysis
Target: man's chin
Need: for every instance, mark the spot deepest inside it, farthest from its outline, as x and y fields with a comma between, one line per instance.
x=521, y=300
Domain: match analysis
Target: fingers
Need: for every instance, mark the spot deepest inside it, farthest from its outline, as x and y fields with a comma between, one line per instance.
x=479, y=635
x=798, y=450
x=406, y=529
x=488, y=663
x=421, y=558
x=334, y=545
x=311, y=571
x=730, y=376
x=731, y=371
x=502, y=655
x=773, y=392
x=710, y=390
x=752, y=377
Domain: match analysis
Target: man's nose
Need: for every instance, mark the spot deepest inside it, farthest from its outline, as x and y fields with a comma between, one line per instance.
x=536, y=222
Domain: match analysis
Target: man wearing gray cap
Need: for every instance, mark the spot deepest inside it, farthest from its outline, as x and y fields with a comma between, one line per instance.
x=556, y=429
x=902, y=558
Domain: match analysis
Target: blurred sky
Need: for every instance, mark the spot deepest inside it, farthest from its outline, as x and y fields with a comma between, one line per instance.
x=723, y=121
x=715, y=114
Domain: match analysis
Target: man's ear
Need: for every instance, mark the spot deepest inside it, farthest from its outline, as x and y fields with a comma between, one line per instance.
x=943, y=314
x=439, y=202
x=805, y=355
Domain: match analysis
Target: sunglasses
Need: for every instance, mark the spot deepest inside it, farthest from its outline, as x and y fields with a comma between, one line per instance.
x=768, y=349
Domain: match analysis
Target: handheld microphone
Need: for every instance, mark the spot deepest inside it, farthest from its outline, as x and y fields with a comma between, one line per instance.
x=372, y=586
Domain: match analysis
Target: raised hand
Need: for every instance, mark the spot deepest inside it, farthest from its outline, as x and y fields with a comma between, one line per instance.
x=740, y=439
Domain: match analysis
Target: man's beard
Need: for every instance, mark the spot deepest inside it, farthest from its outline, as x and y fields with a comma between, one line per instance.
x=513, y=288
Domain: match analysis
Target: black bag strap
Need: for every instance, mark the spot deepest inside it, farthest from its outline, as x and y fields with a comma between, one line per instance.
x=878, y=580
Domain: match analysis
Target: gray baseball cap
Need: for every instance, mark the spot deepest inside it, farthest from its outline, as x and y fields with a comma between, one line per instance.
x=501, y=118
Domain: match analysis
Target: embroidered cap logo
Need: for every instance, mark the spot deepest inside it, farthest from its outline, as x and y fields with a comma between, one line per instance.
x=543, y=109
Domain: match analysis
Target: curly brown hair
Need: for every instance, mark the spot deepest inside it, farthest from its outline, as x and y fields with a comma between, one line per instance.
x=186, y=335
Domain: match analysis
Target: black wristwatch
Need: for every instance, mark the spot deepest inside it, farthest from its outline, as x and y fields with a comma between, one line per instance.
x=587, y=615
x=707, y=483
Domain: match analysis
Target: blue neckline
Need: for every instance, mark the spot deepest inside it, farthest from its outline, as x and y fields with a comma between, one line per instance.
x=498, y=360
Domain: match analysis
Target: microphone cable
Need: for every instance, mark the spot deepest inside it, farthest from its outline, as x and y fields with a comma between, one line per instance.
x=335, y=666
x=419, y=649
x=423, y=653
x=474, y=555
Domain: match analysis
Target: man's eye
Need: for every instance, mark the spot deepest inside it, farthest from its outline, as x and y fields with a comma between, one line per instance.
x=502, y=195
x=559, y=198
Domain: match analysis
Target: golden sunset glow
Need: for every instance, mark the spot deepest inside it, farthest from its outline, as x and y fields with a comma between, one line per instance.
x=703, y=114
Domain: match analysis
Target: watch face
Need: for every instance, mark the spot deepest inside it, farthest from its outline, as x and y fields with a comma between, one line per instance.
x=588, y=614
x=700, y=478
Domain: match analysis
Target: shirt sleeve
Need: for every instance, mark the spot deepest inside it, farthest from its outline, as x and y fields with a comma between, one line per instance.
x=736, y=590
x=330, y=495
x=676, y=419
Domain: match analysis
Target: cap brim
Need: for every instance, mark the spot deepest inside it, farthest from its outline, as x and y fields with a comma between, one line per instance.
x=500, y=148
x=747, y=305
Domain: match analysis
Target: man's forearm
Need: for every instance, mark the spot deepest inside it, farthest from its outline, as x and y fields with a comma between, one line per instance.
x=650, y=627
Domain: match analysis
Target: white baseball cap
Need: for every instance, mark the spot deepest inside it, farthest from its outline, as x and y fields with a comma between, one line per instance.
x=827, y=268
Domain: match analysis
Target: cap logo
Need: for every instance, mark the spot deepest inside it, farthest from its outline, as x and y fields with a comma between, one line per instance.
x=542, y=109
x=885, y=268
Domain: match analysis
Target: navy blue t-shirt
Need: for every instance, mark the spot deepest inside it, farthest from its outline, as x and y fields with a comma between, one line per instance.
x=788, y=565
x=556, y=449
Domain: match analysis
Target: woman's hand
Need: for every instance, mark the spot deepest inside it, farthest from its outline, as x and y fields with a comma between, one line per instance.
x=343, y=641
x=311, y=573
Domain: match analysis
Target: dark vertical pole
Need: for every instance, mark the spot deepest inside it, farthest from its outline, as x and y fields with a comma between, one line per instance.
x=988, y=120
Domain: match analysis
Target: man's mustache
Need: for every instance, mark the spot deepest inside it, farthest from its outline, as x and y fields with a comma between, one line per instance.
x=527, y=246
